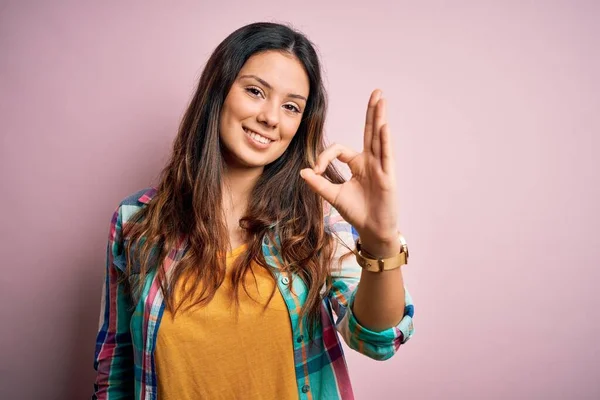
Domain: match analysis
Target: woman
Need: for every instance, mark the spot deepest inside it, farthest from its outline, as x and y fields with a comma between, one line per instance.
x=240, y=254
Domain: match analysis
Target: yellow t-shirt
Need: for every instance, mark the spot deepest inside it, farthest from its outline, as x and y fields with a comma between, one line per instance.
x=205, y=353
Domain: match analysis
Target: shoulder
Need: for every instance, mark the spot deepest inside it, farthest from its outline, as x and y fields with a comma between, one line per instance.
x=135, y=202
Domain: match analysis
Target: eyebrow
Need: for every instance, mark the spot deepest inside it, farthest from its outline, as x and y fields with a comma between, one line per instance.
x=268, y=86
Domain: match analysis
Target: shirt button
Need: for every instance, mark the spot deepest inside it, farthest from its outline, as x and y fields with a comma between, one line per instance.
x=285, y=280
x=300, y=339
x=305, y=389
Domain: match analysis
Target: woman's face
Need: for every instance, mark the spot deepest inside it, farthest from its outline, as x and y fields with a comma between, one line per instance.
x=263, y=109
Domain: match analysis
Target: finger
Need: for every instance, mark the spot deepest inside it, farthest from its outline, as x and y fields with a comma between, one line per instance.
x=387, y=159
x=380, y=120
x=342, y=153
x=375, y=96
x=329, y=191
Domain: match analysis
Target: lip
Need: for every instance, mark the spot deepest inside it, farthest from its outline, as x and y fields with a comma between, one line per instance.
x=255, y=144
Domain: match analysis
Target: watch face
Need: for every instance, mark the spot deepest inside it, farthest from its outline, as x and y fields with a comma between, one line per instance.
x=402, y=240
x=404, y=246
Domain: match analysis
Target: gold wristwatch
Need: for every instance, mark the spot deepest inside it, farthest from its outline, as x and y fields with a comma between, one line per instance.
x=370, y=263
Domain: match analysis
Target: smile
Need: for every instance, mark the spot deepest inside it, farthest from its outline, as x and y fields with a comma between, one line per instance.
x=256, y=137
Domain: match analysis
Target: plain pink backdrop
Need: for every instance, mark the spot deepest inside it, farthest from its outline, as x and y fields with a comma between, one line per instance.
x=494, y=109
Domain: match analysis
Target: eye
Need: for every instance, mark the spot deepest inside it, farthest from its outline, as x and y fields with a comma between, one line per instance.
x=291, y=107
x=254, y=91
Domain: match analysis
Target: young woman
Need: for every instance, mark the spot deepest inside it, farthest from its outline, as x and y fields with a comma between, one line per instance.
x=230, y=279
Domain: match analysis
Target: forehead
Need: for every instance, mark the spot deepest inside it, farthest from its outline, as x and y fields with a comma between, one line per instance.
x=283, y=71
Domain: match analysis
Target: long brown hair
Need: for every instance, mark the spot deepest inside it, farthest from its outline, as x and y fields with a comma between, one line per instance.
x=187, y=206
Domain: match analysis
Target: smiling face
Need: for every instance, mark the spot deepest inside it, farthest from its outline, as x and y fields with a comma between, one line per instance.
x=263, y=109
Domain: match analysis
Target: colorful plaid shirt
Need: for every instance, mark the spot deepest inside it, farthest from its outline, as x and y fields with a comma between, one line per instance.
x=124, y=358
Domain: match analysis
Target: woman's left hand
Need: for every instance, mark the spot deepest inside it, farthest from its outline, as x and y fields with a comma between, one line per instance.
x=368, y=200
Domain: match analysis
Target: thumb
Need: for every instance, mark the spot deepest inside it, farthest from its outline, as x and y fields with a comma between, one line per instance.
x=320, y=185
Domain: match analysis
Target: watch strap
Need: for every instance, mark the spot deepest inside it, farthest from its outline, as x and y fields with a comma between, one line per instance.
x=373, y=264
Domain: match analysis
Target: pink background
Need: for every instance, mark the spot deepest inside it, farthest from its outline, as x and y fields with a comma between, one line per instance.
x=494, y=107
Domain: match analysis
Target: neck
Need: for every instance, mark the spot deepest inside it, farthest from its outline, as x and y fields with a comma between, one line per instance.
x=237, y=186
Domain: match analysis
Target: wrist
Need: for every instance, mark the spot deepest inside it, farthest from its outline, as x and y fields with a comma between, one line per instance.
x=381, y=247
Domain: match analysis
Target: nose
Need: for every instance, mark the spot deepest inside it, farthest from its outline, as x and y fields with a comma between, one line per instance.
x=269, y=115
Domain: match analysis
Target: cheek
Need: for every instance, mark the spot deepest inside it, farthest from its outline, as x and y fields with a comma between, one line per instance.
x=289, y=129
x=234, y=109
x=225, y=118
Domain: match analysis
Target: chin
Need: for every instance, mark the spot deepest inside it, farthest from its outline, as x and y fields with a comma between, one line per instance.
x=246, y=161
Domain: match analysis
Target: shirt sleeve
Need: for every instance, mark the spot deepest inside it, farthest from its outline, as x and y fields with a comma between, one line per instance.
x=114, y=351
x=345, y=280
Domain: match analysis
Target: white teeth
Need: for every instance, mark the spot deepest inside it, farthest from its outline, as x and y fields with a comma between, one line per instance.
x=257, y=137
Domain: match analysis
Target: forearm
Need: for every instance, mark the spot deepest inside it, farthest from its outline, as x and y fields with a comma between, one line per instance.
x=380, y=299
